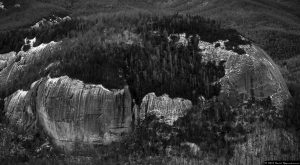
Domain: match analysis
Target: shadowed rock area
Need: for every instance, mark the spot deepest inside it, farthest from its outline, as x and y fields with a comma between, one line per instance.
x=73, y=113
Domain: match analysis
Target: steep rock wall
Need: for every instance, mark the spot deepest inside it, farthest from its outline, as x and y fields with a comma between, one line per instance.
x=73, y=113
x=17, y=113
x=253, y=74
x=77, y=115
x=164, y=107
x=14, y=65
x=5, y=59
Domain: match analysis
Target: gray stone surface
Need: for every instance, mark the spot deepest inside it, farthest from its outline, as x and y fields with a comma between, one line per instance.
x=14, y=65
x=253, y=74
x=72, y=112
x=164, y=107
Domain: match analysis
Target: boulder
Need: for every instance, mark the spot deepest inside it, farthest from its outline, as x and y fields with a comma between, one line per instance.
x=72, y=113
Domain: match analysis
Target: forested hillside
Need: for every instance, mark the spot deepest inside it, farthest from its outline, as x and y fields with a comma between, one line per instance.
x=273, y=25
x=150, y=60
x=144, y=46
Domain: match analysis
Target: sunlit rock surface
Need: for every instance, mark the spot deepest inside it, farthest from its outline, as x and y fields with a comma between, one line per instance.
x=5, y=59
x=17, y=113
x=164, y=107
x=13, y=66
x=54, y=20
x=28, y=43
x=73, y=113
x=253, y=74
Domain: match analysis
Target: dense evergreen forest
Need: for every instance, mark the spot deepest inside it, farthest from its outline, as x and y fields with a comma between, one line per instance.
x=279, y=45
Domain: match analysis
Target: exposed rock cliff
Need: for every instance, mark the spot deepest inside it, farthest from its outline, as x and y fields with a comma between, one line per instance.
x=53, y=20
x=16, y=111
x=253, y=74
x=5, y=59
x=72, y=112
x=169, y=110
x=13, y=66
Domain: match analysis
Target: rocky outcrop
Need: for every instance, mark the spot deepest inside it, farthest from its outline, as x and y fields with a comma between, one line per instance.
x=252, y=74
x=164, y=107
x=5, y=59
x=15, y=65
x=76, y=114
x=72, y=113
x=53, y=20
x=17, y=113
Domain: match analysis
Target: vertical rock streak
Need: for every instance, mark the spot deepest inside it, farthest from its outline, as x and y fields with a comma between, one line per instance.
x=15, y=65
x=72, y=112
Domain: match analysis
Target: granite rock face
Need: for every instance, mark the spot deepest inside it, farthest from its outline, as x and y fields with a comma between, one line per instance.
x=251, y=74
x=14, y=65
x=5, y=59
x=164, y=107
x=73, y=113
x=17, y=113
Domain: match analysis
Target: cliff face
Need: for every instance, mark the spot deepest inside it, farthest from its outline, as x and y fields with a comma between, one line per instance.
x=169, y=110
x=72, y=112
x=17, y=113
x=15, y=65
x=252, y=74
x=5, y=59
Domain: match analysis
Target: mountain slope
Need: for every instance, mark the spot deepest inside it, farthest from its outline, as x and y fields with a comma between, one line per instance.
x=30, y=11
x=273, y=25
x=231, y=83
